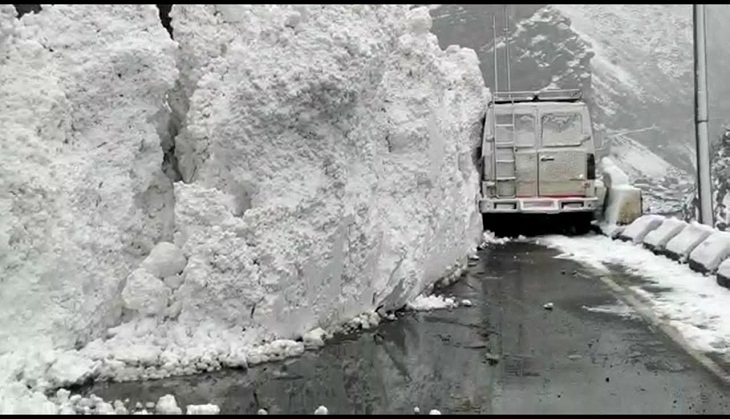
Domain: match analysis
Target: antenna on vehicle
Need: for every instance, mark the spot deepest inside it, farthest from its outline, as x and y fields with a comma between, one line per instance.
x=509, y=76
x=494, y=47
x=506, y=46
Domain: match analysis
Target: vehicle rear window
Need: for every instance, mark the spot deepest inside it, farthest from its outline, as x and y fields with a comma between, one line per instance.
x=524, y=129
x=562, y=128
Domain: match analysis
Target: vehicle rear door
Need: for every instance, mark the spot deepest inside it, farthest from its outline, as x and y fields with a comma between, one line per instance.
x=562, y=161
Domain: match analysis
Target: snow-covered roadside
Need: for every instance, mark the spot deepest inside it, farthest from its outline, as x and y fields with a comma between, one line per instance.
x=692, y=303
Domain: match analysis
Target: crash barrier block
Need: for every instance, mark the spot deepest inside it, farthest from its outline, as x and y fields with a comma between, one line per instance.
x=636, y=231
x=622, y=205
x=685, y=242
x=708, y=255
x=656, y=240
x=621, y=201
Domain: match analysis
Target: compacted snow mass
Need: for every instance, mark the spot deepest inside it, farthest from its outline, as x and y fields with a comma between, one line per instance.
x=170, y=206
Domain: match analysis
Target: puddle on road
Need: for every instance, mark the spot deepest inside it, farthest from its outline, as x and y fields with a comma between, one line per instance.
x=556, y=361
x=433, y=360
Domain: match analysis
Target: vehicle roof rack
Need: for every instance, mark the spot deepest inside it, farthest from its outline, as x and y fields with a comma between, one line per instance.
x=567, y=95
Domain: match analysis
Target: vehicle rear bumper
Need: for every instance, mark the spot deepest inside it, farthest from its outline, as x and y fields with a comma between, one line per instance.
x=538, y=205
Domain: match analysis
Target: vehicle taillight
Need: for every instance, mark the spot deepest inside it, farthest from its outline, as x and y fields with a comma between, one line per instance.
x=591, y=166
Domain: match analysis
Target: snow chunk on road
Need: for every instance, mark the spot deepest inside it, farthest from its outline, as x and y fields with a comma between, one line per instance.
x=490, y=238
x=657, y=239
x=167, y=405
x=637, y=230
x=164, y=260
x=203, y=409
x=620, y=309
x=431, y=302
x=708, y=255
x=321, y=410
x=691, y=302
x=685, y=242
x=314, y=338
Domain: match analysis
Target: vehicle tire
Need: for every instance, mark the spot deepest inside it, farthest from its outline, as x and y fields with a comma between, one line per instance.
x=581, y=225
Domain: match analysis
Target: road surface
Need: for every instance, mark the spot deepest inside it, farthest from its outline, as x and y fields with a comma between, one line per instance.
x=505, y=354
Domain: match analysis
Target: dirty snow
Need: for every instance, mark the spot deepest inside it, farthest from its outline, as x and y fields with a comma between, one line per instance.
x=203, y=409
x=620, y=309
x=167, y=405
x=490, y=238
x=694, y=303
x=325, y=173
x=321, y=410
x=431, y=302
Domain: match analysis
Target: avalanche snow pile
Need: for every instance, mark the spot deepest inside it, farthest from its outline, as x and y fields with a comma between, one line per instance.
x=327, y=164
x=82, y=196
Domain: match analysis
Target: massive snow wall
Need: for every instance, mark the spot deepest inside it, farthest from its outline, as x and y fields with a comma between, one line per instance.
x=328, y=161
x=328, y=165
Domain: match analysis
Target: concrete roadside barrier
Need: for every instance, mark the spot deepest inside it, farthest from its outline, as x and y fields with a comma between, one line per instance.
x=708, y=255
x=656, y=240
x=685, y=242
x=636, y=231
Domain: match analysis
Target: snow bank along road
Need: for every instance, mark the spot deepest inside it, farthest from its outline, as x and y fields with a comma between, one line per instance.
x=684, y=299
x=504, y=353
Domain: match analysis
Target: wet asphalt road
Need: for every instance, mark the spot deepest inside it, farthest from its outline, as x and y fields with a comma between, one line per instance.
x=505, y=354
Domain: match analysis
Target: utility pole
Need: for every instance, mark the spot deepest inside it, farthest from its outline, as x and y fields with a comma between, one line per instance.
x=704, y=186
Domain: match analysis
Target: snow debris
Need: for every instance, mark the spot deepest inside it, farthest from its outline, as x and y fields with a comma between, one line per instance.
x=321, y=410
x=489, y=238
x=119, y=408
x=164, y=260
x=203, y=409
x=690, y=302
x=434, y=412
x=145, y=293
x=620, y=309
x=431, y=302
x=291, y=166
x=145, y=412
x=548, y=306
x=466, y=303
x=167, y=405
x=314, y=338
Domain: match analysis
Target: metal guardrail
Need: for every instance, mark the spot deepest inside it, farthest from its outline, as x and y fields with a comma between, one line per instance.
x=569, y=95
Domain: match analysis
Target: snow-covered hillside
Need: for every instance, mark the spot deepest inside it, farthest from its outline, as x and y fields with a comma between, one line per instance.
x=634, y=64
x=323, y=167
x=642, y=71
